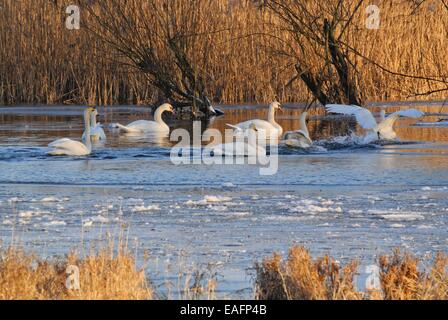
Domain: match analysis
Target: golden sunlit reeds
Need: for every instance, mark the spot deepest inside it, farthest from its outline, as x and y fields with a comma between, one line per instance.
x=302, y=278
x=112, y=274
x=107, y=274
x=43, y=62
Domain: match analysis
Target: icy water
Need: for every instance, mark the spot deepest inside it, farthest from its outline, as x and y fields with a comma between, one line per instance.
x=352, y=202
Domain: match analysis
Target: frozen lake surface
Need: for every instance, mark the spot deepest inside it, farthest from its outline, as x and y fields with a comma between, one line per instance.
x=352, y=202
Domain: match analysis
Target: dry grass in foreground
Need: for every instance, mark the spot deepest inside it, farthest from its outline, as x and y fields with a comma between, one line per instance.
x=302, y=278
x=108, y=274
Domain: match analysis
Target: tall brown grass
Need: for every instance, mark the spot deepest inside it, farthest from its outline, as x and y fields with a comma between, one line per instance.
x=43, y=62
x=106, y=274
x=299, y=277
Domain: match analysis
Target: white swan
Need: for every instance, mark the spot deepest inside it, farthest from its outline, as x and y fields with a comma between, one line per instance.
x=240, y=148
x=68, y=147
x=145, y=126
x=270, y=127
x=96, y=129
x=378, y=131
x=299, y=138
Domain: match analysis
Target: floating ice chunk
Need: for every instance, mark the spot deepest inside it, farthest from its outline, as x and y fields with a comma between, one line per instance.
x=228, y=185
x=423, y=226
x=55, y=223
x=87, y=223
x=426, y=189
x=239, y=214
x=313, y=207
x=50, y=199
x=8, y=222
x=100, y=219
x=14, y=200
x=397, y=226
x=218, y=208
x=217, y=199
x=144, y=208
x=403, y=217
x=207, y=200
x=26, y=214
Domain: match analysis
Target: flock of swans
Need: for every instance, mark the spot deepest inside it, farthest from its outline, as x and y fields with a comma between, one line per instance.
x=299, y=138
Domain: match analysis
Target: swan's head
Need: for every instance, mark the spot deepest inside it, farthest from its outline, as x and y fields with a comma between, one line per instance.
x=89, y=111
x=253, y=127
x=94, y=113
x=166, y=107
x=275, y=105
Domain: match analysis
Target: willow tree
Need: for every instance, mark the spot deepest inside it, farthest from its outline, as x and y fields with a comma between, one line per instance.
x=315, y=31
x=166, y=40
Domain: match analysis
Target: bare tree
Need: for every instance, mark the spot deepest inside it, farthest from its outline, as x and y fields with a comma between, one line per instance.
x=317, y=29
x=166, y=40
x=326, y=57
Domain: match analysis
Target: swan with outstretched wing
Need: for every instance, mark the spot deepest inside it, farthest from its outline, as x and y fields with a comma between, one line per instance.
x=384, y=130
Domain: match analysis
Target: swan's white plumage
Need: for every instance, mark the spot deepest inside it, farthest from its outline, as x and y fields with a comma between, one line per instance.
x=363, y=116
x=69, y=147
x=146, y=126
x=270, y=127
x=384, y=129
x=96, y=130
x=299, y=138
x=240, y=148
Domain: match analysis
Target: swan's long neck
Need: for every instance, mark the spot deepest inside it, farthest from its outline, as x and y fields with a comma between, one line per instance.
x=87, y=118
x=382, y=115
x=92, y=119
x=158, y=115
x=271, y=115
x=303, y=125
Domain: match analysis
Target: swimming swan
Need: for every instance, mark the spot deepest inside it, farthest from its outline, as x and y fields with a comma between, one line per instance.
x=96, y=129
x=382, y=130
x=145, y=126
x=299, y=138
x=68, y=147
x=269, y=127
x=240, y=148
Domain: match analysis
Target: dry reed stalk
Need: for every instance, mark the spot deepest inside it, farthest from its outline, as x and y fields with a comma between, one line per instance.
x=102, y=275
x=302, y=278
x=43, y=62
x=402, y=280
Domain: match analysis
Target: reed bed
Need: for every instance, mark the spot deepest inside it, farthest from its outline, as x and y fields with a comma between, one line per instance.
x=300, y=277
x=107, y=274
x=111, y=274
x=42, y=62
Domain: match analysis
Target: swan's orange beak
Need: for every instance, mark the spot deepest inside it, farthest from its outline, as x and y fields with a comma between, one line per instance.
x=280, y=107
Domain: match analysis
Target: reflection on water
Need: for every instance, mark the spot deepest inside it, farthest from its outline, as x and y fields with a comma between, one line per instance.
x=353, y=201
x=39, y=125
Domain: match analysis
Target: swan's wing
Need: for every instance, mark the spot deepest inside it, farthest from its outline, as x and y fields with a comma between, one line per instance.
x=297, y=138
x=124, y=128
x=68, y=145
x=54, y=144
x=98, y=131
x=363, y=116
x=409, y=113
x=238, y=129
